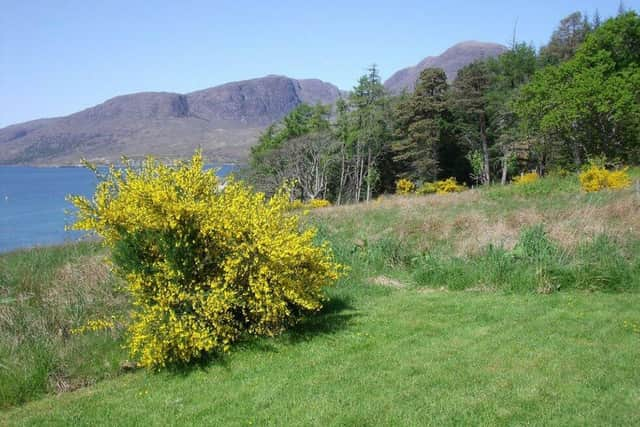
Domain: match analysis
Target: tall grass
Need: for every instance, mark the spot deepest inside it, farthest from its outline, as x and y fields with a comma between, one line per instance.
x=44, y=294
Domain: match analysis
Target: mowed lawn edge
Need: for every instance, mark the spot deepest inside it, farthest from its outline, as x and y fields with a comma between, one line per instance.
x=396, y=356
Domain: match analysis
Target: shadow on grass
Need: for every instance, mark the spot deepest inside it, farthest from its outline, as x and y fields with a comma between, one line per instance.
x=331, y=319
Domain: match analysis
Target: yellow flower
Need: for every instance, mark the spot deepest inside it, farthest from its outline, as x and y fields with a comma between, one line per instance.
x=204, y=265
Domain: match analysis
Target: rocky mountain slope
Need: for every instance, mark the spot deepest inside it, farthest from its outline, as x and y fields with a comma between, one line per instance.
x=224, y=121
x=451, y=60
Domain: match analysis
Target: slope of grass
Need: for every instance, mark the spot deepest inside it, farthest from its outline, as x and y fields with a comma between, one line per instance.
x=506, y=305
x=391, y=357
x=44, y=294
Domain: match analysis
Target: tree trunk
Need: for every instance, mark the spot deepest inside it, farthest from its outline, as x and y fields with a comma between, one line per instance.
x=342, y=175
x=485, y=150
x=503, y=181
x=369, y=174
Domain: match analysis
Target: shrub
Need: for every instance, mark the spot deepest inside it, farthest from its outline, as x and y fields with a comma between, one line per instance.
x=405, y=186
x=427, y=188
x=449, y=185
x=619, y=179
x=526, y=178
x=203, y=265
x=296, y=204
x=310, y=204
x=596, y=178
x=318, y=203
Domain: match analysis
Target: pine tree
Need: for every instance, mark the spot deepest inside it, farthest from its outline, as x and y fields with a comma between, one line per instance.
x=419, y=125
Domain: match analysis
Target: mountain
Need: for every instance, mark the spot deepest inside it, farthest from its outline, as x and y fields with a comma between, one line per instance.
x=223, y=120
x=451, y=60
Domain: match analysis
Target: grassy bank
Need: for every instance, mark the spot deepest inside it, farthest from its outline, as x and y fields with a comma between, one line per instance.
x=507, y=305
x=44, y=294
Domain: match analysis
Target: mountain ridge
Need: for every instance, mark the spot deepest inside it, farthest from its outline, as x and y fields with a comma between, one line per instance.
x=224, y=121
x=451, y=60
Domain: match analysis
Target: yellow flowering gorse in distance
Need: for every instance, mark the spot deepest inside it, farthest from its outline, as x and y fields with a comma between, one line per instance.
x=405, y=186
x=444, y=186
x=202, y=264
x=310, y=204
x=527, y=178
x=596, y=178
x=449, y=185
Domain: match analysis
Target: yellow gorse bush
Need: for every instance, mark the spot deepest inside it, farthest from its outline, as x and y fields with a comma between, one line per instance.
x=310, y=204
x=527, y=178
x=427, y=188
x=203, y=264
x=318, y=203
x=449, y=185
x=405, y=186
x=596, y=178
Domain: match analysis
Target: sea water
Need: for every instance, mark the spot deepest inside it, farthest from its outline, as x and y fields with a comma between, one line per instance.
x=33, y=205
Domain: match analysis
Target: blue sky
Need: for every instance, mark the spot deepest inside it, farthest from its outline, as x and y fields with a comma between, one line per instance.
x=57, y=57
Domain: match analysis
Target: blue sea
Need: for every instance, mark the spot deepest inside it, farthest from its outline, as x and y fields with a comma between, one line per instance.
x=33, y=204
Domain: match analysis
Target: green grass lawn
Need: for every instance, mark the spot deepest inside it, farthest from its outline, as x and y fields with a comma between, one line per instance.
x=508, y=306
x=396, y=357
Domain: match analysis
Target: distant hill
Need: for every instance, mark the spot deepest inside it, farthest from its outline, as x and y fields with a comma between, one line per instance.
x=223, y=120
x=454, y=58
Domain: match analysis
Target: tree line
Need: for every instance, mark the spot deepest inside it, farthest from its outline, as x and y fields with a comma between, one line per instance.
x=575, y=99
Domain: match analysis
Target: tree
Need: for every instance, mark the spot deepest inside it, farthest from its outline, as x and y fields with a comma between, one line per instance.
x=509, y=72
x=370, y=108
x=589, y=106
x=419, y=125
x=470, y=91
x=268, y=170
x=566, y=39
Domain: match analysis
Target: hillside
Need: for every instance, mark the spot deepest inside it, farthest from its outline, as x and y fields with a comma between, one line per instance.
x=224, y=121
x=451, y=60
x=504, y=305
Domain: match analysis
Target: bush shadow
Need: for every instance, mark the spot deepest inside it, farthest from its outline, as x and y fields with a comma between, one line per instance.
x=335, y=315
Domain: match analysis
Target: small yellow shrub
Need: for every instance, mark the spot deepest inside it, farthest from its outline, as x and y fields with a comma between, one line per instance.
x=596, y=178
x=449, y=185
x=318, y=203
x=527, y=178
x=427, y=188
x=296, y=204
x=405, y=186
x=203, y=265
x=619, y=179
x=310, y=204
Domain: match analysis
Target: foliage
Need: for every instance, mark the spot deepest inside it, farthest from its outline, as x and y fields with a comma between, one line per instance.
x=427, y=188
x=318, y=203
x=203, y=265
x=449, y=185
x=588, y=106
x=520, y=111
x=596, y=178
x=421, y=126
x=405, y=186
x=526, y=178
x=566, y=39
x=311, y=204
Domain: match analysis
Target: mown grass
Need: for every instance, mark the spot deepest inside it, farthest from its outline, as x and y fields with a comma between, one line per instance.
x=396, y=357
x=501, y=306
